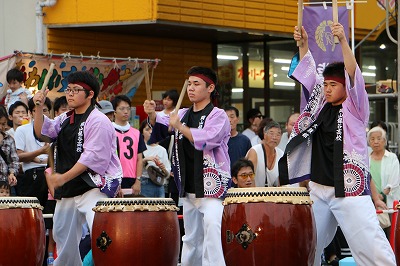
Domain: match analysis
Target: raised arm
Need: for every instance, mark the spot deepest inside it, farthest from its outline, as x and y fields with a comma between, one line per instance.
x=350, y=62
x=303, y=47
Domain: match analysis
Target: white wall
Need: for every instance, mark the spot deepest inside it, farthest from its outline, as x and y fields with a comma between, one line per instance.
x=17, y=26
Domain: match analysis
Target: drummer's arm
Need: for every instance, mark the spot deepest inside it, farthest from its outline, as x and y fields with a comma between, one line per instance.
x=57, y=180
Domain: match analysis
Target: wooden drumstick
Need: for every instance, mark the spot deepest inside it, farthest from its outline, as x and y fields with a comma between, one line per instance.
x=46, y=79
x=335, y=17
x=299, y=19
x=147, y=81
x=183, y=92
x=50, y=160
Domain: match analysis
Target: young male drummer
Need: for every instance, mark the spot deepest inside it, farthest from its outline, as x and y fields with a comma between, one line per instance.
x=330, y=148
x=201, y=167
x=87, y=166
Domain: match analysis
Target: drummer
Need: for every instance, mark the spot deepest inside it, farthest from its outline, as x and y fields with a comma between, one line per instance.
x=243, y=173
x=328, y=146
x=201, y=167
x=87, y=166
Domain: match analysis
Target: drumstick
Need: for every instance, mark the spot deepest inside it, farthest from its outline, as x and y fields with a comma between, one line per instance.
x=50, y=160
x=147, y=81
x=46, y=79
x=335, y=17
x=183, y=92
x=178, y=104
x=299, y=19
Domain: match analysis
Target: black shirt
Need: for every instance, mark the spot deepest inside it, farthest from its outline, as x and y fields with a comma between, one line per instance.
x=322, y=148
x=66, y=159
x=194, y=169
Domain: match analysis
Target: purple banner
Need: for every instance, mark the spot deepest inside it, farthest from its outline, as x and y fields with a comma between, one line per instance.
x=317, y=22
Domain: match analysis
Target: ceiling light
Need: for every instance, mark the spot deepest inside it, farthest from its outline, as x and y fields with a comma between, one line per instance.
x=382, y=46
x=237, y=90
x=286, y=68
x=372, y=67
x=227, y=57
x=368, y=74
x=282, y=61
x=286, y=84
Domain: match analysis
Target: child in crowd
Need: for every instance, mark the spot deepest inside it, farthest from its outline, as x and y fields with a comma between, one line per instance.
x=9, y=159
x=4, y=189
x=15, y=79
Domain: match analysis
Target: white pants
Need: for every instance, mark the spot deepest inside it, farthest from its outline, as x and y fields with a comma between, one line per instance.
x=202, y=244
x=358, y=221
x=69, y=217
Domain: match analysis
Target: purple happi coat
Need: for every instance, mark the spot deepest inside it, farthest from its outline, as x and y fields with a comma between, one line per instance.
x=351, y=164
x=211, y=137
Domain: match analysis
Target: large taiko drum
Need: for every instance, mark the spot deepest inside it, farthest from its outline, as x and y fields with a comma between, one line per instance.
x=135, y=231
x=268, y=226
x=22, y=231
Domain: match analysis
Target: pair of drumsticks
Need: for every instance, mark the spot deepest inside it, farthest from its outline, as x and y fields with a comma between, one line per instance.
x=300, y=17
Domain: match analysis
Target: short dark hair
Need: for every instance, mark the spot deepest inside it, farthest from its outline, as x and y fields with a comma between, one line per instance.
x=5, y=185
x=32, y=105
x=263, y=123
x=209, y=73
x=15, y=74
x=59, y=102
x=120, y=98
x=239, y=164
x=379, y=123
x=232, y=108
x=252, y=113
x=87, y=78
x=15, y=106
x=172, y=94
x=3, y=112
x=335, y=69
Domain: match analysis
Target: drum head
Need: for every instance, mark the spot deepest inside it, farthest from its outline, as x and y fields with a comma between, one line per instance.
x=135, y=204
x=20, y=202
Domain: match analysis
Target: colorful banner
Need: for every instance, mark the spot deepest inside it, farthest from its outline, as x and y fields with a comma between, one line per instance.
x=317, y=22
x=115, y=76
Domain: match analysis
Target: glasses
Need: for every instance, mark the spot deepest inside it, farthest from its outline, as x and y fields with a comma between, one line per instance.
x=245, y=176
x=74, y=91
x=124, y=108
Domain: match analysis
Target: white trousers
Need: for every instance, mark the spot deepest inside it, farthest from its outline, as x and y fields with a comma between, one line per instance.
x=357, y=218
x=202, y=244
x=69, y=217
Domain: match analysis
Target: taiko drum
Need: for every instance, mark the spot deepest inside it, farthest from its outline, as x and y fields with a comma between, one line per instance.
x=22, y=231
x=135, y=231
x=268, y=226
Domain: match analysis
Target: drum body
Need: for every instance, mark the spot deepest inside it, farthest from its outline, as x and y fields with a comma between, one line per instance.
x=22, y=231
x=268, y=226
x=135, y=231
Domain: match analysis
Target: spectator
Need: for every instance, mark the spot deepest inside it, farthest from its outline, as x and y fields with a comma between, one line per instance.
x=243, y=173
x=107, y=109
x=238, y=144
x=60, y=106
x=254, y=118
x=289, y=126
x=18, y=114
x=17, y=92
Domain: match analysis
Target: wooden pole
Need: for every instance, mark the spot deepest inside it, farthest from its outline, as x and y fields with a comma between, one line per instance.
x=299, y=19
x=147, y=80
x=335, y=17
x=46, y=79
x=183, y=92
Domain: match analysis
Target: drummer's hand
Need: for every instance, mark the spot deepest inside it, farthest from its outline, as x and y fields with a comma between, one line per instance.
x=54, y=181
x=40, y=96
x=136, y=188
x=149, y=106
x=174, y=120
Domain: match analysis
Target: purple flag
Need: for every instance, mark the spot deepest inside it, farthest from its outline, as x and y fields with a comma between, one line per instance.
x=317, y=22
